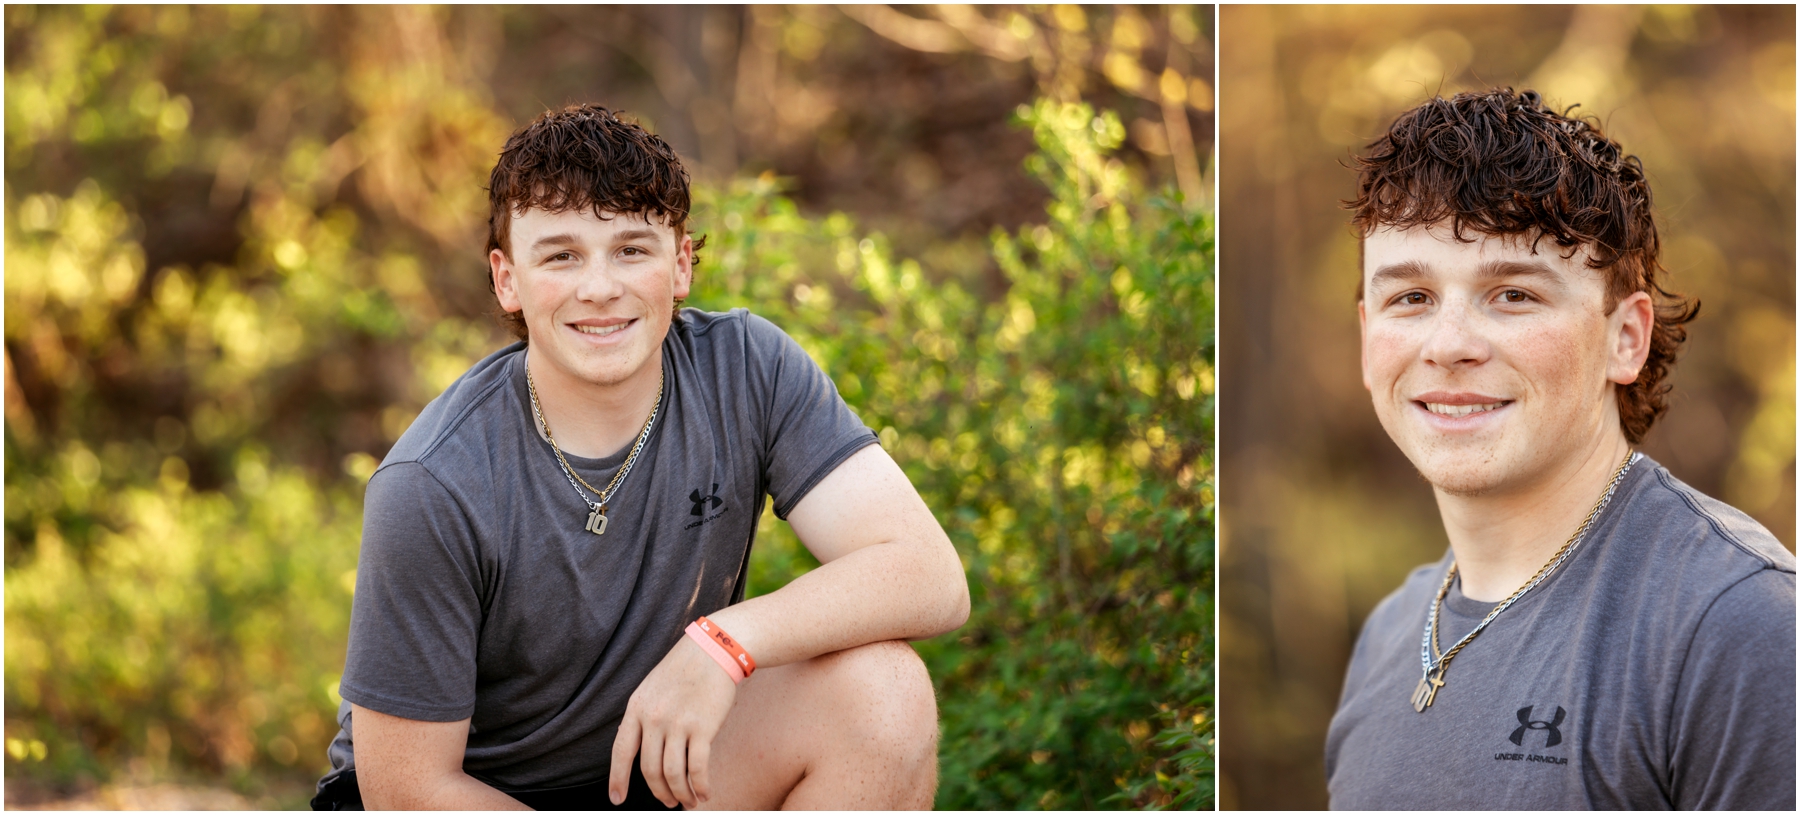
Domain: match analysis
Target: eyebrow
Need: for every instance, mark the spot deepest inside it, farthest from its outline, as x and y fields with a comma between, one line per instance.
x=565, y=239
x=552, y=240
x=1501, y=269
x=1405, y=271
x=1408, y=271
x=633, y=235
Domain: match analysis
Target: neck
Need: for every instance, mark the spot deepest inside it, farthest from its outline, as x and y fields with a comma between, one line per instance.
x=590, y=420
x=1501, y=539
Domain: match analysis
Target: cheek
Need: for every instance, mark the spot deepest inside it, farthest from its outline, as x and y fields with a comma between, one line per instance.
x=546, y=293
x=1550, y=356
x=1386, y=352
x=538, y=290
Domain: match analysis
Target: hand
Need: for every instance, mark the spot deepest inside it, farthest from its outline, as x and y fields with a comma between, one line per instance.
x=673, y=715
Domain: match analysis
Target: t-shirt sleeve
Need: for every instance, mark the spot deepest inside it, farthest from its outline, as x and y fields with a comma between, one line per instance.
x=417, y=612
x=1733, y=735
x=807, y=429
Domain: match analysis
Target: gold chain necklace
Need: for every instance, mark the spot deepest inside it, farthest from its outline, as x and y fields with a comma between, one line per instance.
x=1427, y=689
x=596, y=520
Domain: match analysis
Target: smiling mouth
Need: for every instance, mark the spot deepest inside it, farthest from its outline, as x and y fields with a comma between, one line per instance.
x=601, y=331
x=1459, y=411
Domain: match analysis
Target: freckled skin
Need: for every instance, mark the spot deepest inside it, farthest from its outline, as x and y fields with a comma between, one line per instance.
x=1547, y=354
x=1491, y=322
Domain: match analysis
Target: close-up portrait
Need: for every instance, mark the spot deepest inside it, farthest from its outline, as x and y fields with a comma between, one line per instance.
x=1507, y=407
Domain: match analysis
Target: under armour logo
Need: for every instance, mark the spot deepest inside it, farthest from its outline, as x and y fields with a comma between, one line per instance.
x=1525, y=723
x=700, y=501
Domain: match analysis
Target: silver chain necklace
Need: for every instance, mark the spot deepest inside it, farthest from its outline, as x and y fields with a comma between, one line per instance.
x=1428, y=685
x=596, y=520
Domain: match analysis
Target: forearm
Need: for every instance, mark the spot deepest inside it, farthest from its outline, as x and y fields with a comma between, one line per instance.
x=408, y=764
x=887, y=591
x=456, y=791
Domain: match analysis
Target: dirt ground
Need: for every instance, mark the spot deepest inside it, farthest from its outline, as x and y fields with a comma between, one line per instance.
x=21, y=794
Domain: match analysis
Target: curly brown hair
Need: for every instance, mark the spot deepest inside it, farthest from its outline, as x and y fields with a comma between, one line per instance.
x=584, y=157
x=1501, y=163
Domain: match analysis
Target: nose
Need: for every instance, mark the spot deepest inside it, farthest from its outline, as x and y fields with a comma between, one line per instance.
x=599, y=283
x=1457, y=337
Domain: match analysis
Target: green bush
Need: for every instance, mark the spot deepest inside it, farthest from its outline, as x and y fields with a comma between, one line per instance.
x=1062, y=436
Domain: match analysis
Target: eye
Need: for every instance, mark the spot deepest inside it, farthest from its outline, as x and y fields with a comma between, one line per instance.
x=1515, y=296
x=559, y=257
x=631, y=250
x=1413, y=298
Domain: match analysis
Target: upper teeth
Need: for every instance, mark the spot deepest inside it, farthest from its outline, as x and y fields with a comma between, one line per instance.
x=1460, y=410
x=600, y=330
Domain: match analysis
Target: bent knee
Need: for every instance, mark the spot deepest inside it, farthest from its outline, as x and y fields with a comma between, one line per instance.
x=885, y=695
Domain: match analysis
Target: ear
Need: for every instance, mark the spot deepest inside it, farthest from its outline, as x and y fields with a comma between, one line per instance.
x=684, y=267
x=506, y=282
x=1628, y=330
x=1362, y=325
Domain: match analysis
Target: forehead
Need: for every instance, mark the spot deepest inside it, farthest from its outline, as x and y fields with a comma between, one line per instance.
x=1434, y=250
x=584, y=223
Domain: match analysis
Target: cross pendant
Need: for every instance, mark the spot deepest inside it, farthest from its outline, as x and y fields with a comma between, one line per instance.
x=1426, y=691
x=596, y=522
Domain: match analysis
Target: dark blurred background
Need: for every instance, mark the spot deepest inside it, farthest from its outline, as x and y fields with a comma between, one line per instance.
x=1322, y=516
x=244, y=249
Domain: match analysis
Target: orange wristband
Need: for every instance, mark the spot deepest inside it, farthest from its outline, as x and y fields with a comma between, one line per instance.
x=723, y=649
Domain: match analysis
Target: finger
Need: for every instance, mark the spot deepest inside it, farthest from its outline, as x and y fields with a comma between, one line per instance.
x=650, y=763
x=625, y=747
x=675, y=770
x=699, y=752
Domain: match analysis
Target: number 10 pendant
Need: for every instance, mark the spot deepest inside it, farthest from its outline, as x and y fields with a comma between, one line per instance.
x=596, y=522
x=1426, y=691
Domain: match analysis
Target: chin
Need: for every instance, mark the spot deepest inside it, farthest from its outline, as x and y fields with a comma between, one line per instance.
x=607, y=372
x=1463, y=484
x=1464, y=473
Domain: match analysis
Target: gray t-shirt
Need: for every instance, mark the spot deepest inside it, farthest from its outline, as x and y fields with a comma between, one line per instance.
x=1654, y=670
x=480, y=595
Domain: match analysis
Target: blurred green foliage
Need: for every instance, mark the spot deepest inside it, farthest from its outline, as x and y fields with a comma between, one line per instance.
x=211, y=332
x=1061, y=435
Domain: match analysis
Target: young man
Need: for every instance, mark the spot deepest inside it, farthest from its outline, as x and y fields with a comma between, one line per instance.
x=1599, y=634
x=547, y=607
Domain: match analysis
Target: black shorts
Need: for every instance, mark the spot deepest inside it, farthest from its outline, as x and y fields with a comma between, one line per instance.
x=342, y=793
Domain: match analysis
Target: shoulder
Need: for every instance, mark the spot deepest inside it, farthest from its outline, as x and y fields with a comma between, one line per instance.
x=1747, y=605
x=460, y=421
x=692, y=322
x=739, y=349
x=736, y=330
x=1694, y=527
x=1687, y=566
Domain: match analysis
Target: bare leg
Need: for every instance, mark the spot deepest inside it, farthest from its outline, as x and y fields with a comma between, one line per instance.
x=855, y=729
